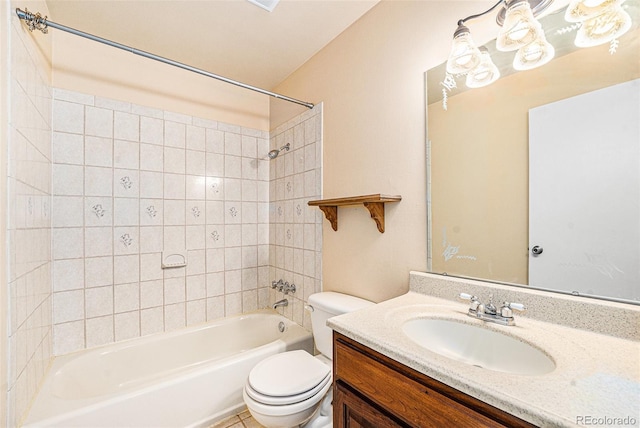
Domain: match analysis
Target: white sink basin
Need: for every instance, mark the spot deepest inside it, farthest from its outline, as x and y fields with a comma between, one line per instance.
x=478, y=346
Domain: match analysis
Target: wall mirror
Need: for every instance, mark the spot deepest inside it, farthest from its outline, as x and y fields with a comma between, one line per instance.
x=485, y=174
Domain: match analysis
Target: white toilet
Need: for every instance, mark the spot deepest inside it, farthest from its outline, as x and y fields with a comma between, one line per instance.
x=285, y=390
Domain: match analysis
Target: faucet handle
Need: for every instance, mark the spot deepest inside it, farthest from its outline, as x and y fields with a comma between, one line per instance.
x=277, y=284
x=473, y=299
x=517, y=306
x=506, y=309
x=289, y=288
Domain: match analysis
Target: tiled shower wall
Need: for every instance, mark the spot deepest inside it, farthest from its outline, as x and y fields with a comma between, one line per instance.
x=112, y=186
x=296, y=228
x=131, y=181
x=29, y=224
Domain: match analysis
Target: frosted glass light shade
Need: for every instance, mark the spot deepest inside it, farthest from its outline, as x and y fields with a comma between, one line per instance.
x=535, y=54
x=484, y=73
x=520, y=27
x=581, y=10
x=603, y=28
x=464, y=54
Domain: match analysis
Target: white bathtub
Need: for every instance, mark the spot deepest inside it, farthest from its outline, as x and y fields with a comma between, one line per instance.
x=186, y=378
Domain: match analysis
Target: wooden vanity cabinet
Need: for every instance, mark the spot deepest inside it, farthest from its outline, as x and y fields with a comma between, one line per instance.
x=374, y=391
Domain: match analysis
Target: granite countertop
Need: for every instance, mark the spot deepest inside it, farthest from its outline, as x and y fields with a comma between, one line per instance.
x=596, y=376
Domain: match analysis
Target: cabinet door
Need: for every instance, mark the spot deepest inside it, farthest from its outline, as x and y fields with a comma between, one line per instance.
x=349, y=411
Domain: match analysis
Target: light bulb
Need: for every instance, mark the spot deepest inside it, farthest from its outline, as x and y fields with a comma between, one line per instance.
x=484, y=73
x=464, y=54
x=602, y=29
x=581, y=10
x=520, y=27
x=535, y=54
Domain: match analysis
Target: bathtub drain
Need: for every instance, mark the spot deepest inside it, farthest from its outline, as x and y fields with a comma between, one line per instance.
x=281, y=327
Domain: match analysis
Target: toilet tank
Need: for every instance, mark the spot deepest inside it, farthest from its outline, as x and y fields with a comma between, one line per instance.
x=326, y=305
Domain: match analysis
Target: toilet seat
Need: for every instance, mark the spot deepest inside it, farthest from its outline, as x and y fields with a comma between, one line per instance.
x=306, y=407
x=266, y=378
x=289, y=399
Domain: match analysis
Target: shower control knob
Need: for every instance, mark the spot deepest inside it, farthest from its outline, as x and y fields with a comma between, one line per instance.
x=536, y=250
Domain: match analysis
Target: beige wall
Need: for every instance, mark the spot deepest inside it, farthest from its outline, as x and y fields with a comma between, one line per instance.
x=371, y=80
x=89, y=67
x=479, y=148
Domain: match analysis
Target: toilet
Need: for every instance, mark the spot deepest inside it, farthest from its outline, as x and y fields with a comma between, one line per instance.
x=293, y=388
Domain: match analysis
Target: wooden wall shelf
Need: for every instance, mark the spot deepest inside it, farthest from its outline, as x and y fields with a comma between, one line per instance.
x=374, y=203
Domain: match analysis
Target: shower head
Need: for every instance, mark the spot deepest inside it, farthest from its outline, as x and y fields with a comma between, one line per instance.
x=275, y=152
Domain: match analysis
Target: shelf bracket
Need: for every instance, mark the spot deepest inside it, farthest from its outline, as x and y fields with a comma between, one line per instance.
x=376, y=209
x=331, y=213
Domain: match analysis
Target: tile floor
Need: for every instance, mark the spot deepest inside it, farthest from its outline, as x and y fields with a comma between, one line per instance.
x=243, y=420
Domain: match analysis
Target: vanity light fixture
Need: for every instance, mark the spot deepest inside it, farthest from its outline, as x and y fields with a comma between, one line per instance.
x=612, y=23
x=582, y=10
x=597, y=22
x=464, y=56
x=535, y=54
x=485, y=73
x=520, y=30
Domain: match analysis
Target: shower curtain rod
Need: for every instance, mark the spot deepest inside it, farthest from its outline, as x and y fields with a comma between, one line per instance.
x=37, y=22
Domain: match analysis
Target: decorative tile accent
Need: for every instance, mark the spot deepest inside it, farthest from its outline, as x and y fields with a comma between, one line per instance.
x=215, y=236
x=298, y=210
x=233, y=211
x=98, y=210
x=126, y=182
x=195, y=211
x=151, y=211
x=126, y=240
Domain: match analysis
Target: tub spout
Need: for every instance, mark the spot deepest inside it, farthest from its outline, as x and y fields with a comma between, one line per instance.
x=283, y=302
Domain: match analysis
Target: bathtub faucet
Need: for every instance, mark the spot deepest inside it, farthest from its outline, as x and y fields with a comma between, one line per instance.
x=283, y=286
x=283, y=302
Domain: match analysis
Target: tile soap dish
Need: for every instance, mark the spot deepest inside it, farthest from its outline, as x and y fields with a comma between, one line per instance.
x=174, y=259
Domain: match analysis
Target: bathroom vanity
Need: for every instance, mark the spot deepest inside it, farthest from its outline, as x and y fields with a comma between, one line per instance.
x=386, y=377
x=374, y=390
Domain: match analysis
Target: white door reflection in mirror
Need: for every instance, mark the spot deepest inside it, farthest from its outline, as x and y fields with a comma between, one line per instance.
x=584, y=193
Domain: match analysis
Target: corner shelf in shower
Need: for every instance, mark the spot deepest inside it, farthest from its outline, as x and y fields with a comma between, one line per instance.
x=374, y=203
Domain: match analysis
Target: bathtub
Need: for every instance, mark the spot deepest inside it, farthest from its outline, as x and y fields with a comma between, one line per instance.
x=186, y=378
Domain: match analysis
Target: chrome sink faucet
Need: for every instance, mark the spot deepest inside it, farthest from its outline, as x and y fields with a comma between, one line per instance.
x=489, y=312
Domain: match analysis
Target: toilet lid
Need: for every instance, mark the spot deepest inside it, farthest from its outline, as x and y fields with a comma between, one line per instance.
x=314, y=394
x=288, y=373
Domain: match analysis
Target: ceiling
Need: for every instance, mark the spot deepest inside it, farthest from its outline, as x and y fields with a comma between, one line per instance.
x=231, y=38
